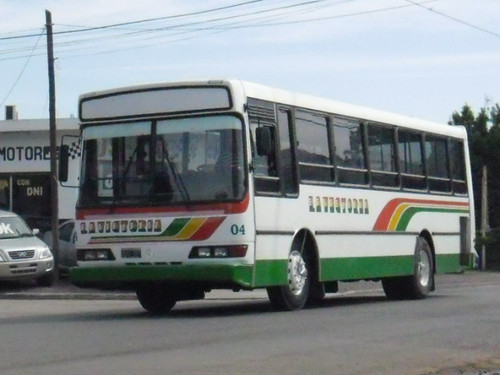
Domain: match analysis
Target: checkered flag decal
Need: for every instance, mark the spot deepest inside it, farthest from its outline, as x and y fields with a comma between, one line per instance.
x=74, y=150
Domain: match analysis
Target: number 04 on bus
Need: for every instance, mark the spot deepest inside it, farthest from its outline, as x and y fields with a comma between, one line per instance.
x=193, y=186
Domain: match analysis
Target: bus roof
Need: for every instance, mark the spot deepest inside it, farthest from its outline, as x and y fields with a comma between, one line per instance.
x=349, y=110
x=263, y=92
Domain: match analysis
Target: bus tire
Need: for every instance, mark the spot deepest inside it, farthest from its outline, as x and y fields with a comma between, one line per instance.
x=418, y=285
x=156, y=299
x=294, y=295
x=423, y=275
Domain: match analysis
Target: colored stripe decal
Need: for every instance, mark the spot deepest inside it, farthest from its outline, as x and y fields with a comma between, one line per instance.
x=397, y=214
x=209, y=227
x=192, y=227
x=180, y=229
x=411, y=211
x=175, y=227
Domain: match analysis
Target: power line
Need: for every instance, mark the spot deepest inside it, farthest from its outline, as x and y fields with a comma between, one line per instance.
x=23, y=69
x=455, y=19
x=188, y=25
x=261, y=22
x=190, y=29
x=138, y=21
x=325, y=18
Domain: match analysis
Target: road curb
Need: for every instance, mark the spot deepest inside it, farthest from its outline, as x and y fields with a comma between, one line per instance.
x=63, y=290
x=67, y=296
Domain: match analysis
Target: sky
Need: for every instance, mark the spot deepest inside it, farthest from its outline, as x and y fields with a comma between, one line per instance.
x=421, y=58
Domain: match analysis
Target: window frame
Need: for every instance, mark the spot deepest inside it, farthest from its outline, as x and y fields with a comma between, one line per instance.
x=362, y=173
x=319, y=168
x=459, y=185
x=367, y=176
x=409, y=178
x=437, y=184
x=384, y=175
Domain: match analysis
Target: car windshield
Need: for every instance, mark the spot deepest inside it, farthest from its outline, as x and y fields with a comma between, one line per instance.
x=163, y=162
x=12, y=227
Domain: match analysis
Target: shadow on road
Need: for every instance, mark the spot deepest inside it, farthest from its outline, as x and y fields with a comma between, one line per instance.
x=208, y=309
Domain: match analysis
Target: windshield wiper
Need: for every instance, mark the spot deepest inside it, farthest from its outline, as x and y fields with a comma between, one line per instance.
x=129, y=164
x=122, y=180
x=176, y=175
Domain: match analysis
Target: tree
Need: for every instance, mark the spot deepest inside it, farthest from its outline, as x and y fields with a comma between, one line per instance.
x=475, y=133
x=492, y=161
x=483, y=131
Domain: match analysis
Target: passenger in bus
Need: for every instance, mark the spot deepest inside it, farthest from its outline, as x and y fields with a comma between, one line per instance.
x=228, y=173
x=161, y=186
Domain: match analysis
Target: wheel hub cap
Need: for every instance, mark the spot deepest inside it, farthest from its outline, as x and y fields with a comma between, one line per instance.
x=424, y=269
x=297, y=272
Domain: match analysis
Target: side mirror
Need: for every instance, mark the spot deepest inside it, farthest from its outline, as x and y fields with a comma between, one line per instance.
x=69, y=154
x=263, y=140
x=35, y=231
x=63, y=163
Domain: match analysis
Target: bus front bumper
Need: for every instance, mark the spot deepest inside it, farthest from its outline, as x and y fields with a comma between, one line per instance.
x=128, y=277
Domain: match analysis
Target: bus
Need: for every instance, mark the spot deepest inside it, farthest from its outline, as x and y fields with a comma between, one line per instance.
x=187, y=187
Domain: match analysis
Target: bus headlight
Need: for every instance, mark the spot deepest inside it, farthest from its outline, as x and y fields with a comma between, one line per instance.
x=94, y=254
x=221, y=252
x=231, y=251
x=202, y=252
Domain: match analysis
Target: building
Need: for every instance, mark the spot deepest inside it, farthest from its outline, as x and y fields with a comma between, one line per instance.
x=25, y=168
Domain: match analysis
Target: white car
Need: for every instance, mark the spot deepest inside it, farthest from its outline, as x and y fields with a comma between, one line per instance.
x=22, y=254
x=67, y=252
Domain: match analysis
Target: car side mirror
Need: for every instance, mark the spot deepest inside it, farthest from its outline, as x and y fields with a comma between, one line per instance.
x=35, y=231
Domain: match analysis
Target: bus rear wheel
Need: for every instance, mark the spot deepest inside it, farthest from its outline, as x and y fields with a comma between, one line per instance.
x=292, y=296
x=418, y=285
x=156, y=299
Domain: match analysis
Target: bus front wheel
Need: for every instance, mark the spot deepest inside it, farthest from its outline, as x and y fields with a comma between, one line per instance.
x=156, y=299
x=292, y=296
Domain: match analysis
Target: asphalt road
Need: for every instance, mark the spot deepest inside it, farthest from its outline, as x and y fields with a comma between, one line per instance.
x=455, y=331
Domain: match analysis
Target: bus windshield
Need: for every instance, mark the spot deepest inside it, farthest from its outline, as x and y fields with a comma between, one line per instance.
x=166, y=161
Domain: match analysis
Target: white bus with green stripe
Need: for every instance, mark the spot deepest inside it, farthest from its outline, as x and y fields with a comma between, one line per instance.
x=188, y=187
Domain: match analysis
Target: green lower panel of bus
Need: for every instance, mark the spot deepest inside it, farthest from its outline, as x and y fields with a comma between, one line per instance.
x=274, y=272
x=128, y=275
x=266, y=272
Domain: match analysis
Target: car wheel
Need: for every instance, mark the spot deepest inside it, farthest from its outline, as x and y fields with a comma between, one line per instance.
x=46, y=280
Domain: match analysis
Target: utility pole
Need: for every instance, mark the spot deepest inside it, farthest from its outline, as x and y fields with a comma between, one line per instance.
x=484, y=214
x=53, y=140
x=484, y=200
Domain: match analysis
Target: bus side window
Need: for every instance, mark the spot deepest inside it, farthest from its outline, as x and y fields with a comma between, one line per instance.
x=411, y=160
x=382, y=155
x=436, y=161
x=264, y=165
x=313, y=150
x=457, y=160
x=262, y=114
x=287, y=162
x=349, y=153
